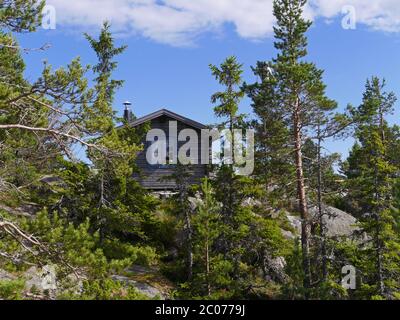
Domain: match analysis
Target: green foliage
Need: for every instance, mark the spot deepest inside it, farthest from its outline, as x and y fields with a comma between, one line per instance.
x=93, y=220
x=105, y=290
x=219, y=240
x=11, y=289
x=20, y=15
x=211, y=270
x=372, y=175
x=230, y=76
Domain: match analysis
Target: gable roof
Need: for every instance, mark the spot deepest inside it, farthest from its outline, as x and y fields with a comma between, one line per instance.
x=173, y=115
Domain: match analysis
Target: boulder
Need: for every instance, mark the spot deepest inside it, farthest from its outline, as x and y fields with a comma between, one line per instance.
x=338, y=223
x=141, y=287
x=147, y=281
x=44, y=279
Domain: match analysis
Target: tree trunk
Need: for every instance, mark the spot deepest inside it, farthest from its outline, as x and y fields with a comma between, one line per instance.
x=379, y=244
x=381, y=283
x=208, y=265
x=101, y=218
x=189, y=245
x=185, y=209
x=302, y=201
x=321, y=212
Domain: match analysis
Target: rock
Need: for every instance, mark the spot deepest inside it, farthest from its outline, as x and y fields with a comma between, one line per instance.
x=274, y=268
x=26, y=210
x=163, y=194
x=288, y=235
x=5, y=276
x=251, y=202
x=338, y=223
x=42, y=280
x=194, y=203
x=295, y=222
x=147, y=280
x=142, y=287
x=42, y=283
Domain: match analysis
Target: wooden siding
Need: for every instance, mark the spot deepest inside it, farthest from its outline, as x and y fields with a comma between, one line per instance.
x=154, y=176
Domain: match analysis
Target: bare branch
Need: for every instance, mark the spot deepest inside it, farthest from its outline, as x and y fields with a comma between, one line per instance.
x=28, y=242
x=45, y=47
x=53, y=132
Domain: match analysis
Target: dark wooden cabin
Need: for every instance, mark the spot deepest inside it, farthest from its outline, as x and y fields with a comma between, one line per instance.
x=154, y=177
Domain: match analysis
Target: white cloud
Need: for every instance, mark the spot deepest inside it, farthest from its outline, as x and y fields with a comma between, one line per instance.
x=383, y=15
x=178, y=22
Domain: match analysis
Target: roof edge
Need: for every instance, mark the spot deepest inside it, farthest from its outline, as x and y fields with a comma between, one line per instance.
x=165, y=112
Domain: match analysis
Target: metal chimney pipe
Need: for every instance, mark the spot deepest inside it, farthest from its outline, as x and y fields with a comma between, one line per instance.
x=127, y=111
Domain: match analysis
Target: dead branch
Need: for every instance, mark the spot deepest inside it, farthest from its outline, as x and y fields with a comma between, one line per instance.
x=54, y=133
x=31, y=243
x=44, y=47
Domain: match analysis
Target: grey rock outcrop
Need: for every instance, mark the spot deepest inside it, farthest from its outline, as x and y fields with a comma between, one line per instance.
x=147, y=281
x=42, y=280
x=338, y=223
x=141, y=287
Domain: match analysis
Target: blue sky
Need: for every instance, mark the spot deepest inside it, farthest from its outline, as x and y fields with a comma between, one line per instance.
x=169, y=68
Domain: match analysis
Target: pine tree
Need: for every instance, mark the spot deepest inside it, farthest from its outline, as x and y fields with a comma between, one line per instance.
x=244, y=227
x=115, y=168
x=206, y=224
x=181, y=177
x=20, y=15
x=322, y=181
x=371, y=180
x=273, y=154
x=295, y=94
x=41, y=122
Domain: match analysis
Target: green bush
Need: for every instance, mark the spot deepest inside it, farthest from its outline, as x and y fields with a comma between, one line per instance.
x=11, y=289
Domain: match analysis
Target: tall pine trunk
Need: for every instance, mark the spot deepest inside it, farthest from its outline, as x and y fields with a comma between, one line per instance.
x=302, y=201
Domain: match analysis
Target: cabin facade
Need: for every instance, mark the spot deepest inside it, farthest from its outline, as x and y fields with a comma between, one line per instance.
x=156, y=177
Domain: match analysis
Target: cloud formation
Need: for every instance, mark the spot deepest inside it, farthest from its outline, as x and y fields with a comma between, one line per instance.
x=179, y=22
x=383, y=15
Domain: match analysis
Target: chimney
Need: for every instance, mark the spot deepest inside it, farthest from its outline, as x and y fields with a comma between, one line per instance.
x=127, y=112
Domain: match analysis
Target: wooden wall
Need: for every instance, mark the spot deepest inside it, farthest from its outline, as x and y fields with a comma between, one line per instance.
x=153, y=176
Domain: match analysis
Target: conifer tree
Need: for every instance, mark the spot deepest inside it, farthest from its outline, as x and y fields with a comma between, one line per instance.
x=181, y=178
x=116, y=211
x=207, y=226
x=40, y=125
x=298, y=93
x=20, y=15
x=274, y=163
x=243, y=229
x=229, y=185
x=372, y=173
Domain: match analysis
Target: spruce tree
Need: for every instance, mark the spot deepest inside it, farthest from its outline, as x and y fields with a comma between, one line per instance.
x=273, y=154
x=229, y=185
x=372, y=174
x=245, y=229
